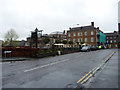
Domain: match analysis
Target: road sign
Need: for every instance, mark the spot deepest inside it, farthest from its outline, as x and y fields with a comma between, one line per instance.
x=7, y=51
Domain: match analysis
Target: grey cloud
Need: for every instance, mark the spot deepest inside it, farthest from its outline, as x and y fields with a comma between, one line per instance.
x=55, y=16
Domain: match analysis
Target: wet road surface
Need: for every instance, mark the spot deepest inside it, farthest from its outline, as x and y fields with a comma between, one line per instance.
x=52, y=72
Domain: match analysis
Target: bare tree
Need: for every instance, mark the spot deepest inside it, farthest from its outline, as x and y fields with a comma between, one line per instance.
x=10, y=37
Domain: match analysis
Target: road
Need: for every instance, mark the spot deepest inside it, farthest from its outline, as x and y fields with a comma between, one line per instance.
x=52, y=72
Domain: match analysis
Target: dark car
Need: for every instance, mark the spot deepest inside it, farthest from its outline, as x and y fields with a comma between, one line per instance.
x=85, y=48
x=92, y=48
x=97, y=48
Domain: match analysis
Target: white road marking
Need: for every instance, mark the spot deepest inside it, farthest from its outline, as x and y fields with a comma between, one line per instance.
x=46, y=65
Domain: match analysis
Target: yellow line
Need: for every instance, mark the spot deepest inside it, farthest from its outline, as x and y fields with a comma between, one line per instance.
x=86, y=79
x=85, y=75
x=92, y=70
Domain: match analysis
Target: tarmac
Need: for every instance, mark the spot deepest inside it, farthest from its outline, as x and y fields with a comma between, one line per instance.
x=108, y=76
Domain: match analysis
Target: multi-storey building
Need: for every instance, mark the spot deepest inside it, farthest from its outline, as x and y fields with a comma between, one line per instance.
x=112, y=39
x=86, y=34
x=58, y=36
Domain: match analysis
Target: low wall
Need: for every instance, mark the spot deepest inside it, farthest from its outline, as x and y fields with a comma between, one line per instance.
x=19, y=52
x=34, y=52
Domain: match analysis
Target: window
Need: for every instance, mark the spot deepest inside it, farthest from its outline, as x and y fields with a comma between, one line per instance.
x=85, y=39
x=92, y=33
x=85, y=33
x=80, y=34
x=81, y=40
x=114, y=37
x=69, y=40
x=114, y=41
x=92, y=39
x=107, y=37
x=53, y=40
x=110, y=41
x=74, y=34
x=107, y=41
x=74, y=40
x=110, y=37
x=69, y=35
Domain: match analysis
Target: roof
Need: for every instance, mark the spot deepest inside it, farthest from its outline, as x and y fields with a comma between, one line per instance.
x=57, y=32
x=112, y=33
x=83, y=28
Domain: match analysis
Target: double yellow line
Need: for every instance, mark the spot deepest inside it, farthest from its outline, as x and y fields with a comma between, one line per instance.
x=90, y=73
x=86, y=77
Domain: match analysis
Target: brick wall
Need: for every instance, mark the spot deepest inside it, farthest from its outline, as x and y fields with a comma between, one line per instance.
x=19, y=52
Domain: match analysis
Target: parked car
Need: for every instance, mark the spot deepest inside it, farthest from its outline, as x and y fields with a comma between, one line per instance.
x=97, y=48
x=92, y=48
x=103, y=47
x=85, y=48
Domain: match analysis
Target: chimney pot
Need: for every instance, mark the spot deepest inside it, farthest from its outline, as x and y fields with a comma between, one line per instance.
x=92, y=24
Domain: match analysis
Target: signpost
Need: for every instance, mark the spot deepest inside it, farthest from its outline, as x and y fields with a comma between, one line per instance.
x=34, y=36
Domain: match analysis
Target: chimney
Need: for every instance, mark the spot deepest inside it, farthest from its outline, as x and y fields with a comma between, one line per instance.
x=70, y=28
x=64, y=32
x=115, y=32
x=92, y=24
x=98, y=28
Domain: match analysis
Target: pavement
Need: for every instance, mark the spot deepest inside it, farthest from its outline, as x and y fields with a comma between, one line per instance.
x=60, y=71
x=14, y=59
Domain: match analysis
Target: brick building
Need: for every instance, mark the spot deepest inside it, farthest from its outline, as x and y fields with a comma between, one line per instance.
x=86, y=34
x=53, y=37
x=31, y=42
x=112, y=39
x=58, y=36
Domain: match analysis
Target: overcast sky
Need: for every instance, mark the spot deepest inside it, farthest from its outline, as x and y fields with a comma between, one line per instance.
x=56, y=15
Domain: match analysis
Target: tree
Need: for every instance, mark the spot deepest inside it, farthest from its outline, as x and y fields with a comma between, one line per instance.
x=58, y=41
x=46, y=40
x=82, y=42
x=70, y=42
x=77, y=43
x=10, y=37
x=64, y=41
